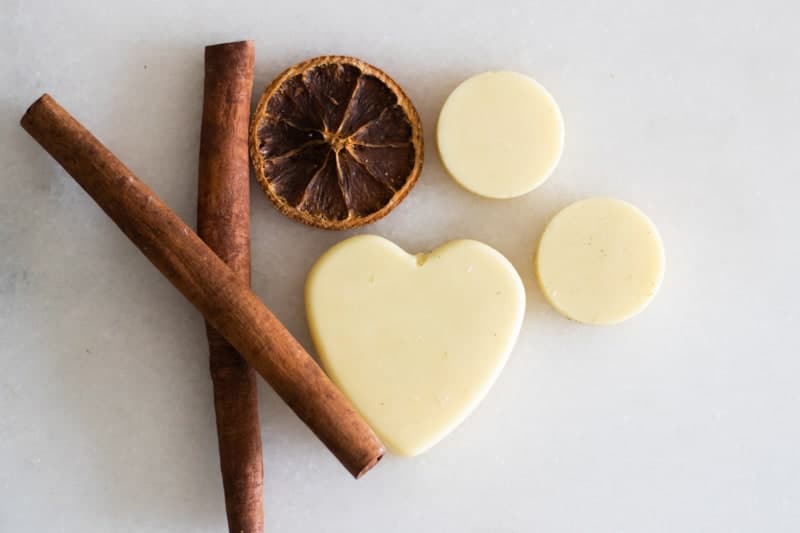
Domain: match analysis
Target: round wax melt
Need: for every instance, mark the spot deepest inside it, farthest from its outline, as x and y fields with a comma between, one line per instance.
x=500, y=134
x=600, y=261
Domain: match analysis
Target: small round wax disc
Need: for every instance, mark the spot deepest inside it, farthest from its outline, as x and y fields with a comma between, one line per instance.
x=600, y=261
x=500, y=134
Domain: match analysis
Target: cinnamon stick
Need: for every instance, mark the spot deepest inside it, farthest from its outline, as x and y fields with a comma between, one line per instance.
x=204, y=279
x=223, y=222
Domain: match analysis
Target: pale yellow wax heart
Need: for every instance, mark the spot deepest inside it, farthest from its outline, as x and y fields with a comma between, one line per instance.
x=415, y=342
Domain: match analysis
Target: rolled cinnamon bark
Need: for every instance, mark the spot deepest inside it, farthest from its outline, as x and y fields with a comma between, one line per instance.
x=223, y=222
x=204, y=279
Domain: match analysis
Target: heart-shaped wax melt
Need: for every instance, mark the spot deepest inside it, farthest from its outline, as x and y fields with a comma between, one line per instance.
x=415, y=342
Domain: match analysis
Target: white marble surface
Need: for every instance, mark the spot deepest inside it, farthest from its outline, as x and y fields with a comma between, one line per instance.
x=683, y=419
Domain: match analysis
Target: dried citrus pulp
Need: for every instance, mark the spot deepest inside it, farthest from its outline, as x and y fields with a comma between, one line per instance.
x=335, y=142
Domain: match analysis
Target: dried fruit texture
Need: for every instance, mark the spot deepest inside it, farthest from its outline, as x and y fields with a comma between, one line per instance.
x=335, y=143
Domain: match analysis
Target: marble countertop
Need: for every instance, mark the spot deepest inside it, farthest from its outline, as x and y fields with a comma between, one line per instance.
x=682, y=419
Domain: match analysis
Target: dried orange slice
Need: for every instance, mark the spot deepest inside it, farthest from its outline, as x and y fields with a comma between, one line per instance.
x=335, y=143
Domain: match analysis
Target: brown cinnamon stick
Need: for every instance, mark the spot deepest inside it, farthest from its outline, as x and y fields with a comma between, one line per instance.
x=204, y=279
x=223, y=222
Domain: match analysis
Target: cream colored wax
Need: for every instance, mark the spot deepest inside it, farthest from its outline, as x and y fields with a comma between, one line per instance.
x=600, y=261
x=500, y=134
x=415, y=342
